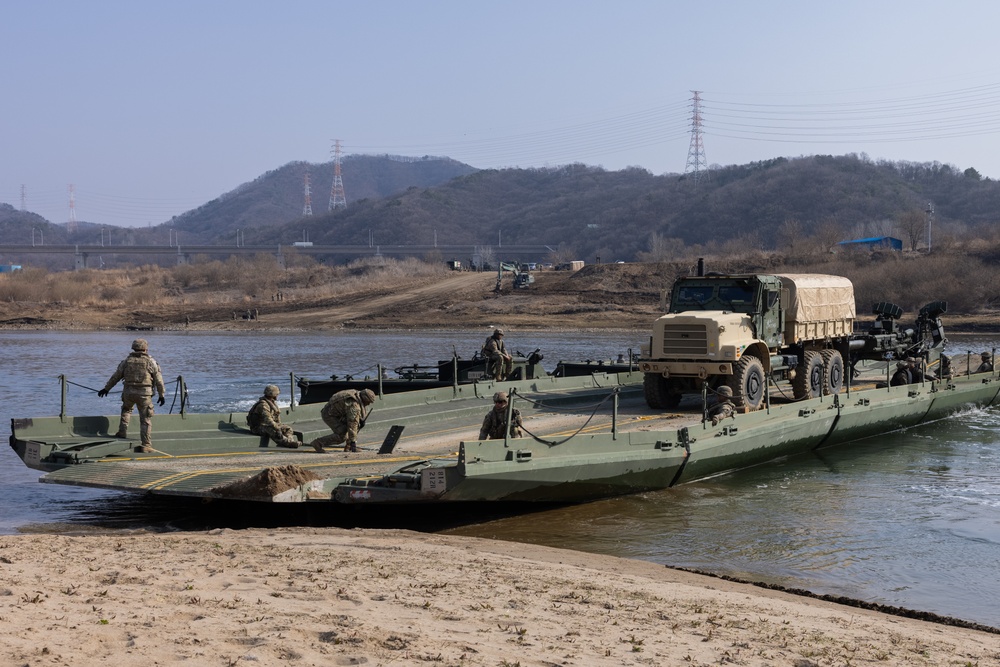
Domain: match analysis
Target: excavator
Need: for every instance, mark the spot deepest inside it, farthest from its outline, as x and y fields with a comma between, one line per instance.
x=522, y=277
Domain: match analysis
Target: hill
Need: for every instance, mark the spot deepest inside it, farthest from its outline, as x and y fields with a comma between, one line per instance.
x=583, y=212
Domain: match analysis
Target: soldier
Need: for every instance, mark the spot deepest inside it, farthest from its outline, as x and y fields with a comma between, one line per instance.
x=987, y=365
x=902, y=375
x=500, y=363
x=723, y=407
x=141, y=374
x=345, y=414
x=495, y=423
x=264, y=418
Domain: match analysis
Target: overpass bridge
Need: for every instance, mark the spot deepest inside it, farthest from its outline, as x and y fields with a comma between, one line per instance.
x=84, y=254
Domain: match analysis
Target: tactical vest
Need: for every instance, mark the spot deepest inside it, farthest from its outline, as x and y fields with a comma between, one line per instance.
x=137, y=371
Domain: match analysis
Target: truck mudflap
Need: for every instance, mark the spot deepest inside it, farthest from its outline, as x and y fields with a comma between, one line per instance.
x=694, y=369
x=423, y=481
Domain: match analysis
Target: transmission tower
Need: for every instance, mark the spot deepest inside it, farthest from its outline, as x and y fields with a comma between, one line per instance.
x=696, y=162
x=308, y=208
x=337, y=198
x=71, y=225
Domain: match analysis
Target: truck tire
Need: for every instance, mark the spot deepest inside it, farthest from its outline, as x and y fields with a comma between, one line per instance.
x=748, y=383
x=808, y=382
x=660, y=393
x=833, y=372
x=654, y=387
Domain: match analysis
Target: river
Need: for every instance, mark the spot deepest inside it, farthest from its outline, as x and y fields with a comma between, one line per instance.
x=909, y=519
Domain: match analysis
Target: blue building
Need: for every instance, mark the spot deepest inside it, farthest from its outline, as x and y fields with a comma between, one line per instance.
x=9, y=268
x=875, y=243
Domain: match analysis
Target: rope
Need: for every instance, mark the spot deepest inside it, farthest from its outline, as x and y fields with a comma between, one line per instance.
x=554, y=443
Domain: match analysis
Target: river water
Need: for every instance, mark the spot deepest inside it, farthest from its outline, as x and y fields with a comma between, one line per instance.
x=909, y=519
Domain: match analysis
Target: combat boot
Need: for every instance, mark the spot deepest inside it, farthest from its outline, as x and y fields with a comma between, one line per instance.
x=121, y=434
x=143, y=449
x=351, y=447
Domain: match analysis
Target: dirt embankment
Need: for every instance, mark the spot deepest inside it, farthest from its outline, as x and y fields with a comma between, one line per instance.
x=598, y=297
x=610, y=296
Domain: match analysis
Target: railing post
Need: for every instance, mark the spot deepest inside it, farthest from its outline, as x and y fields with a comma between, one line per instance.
x=184, y=393
x=378, y=368
x=614, y=416
x=291, y=381
x=62, y=400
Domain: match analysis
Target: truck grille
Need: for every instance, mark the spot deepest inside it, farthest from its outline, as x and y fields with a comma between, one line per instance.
x=685, y=340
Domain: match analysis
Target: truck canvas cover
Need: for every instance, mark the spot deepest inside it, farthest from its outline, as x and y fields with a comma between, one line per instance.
x=818, y=305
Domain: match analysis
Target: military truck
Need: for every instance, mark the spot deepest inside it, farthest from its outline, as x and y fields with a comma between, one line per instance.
x=741, y=330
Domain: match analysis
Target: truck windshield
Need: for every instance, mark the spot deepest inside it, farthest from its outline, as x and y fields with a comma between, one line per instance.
x=737, y=298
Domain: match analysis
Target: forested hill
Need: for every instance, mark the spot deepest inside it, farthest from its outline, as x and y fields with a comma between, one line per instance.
x=585, y=212
x=278, y=196
x=632, y=214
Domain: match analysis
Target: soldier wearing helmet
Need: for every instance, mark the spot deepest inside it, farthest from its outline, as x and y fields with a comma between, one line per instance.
x=345, y=414
x=495, y=423
x=499, y=362
x=987, y=365
x=140, y=375
x=724, y=406
x=264, y=418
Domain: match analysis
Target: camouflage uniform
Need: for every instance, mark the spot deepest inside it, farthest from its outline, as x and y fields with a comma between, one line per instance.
x=495, y=422
x=500, y=363
x=723, y=408
x=987, y=365
x=141, y=374
x=264, y=418
x=344, y=414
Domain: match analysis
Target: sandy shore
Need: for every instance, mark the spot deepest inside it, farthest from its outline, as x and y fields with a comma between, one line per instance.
x=309, y=596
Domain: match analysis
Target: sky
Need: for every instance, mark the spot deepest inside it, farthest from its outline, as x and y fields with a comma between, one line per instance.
x=151, y=109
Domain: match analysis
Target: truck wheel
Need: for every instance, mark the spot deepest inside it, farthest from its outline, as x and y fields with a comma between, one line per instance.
x=654, y=386
x=748, y=383
x=833, y=372
x=808, y=382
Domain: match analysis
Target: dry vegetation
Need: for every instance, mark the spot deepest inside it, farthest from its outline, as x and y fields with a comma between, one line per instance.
x=386, y=293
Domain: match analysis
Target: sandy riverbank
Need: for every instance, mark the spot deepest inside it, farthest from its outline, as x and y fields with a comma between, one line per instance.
x=308, y=596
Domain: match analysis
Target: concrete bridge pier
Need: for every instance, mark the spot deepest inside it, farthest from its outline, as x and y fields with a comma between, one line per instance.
x=182, y=258
x=80, y=259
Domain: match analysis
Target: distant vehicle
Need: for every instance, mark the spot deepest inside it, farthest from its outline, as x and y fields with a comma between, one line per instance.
x=302, y=244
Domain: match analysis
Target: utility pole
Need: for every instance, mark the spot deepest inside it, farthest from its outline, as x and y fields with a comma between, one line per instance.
x=696, y=162
x=24, y=197
x=930, y=215
x=337, y=198
x=71, y=225
x=307, y=209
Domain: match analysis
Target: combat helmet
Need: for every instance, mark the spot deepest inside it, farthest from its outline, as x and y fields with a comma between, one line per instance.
x=367, y=396
x=271, y=391
x=985, y=356
x=725, y=390
x=500, y=397
x=497, y=332
x=140, y=345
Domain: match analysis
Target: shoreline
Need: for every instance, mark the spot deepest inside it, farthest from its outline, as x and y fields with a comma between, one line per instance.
x=362, y=596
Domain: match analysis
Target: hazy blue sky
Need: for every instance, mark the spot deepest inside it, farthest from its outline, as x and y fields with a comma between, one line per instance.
x=150, y=109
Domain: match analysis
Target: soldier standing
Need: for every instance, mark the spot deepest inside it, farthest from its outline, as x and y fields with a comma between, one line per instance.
x=141, y=374
x=500, y=362
x=345, y=414
x=264, y=418
x=495, y=423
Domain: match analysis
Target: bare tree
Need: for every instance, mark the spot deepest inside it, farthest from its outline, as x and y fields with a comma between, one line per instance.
x=911, y=224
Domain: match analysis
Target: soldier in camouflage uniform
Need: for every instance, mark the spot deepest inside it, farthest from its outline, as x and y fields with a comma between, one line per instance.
x=500, y=362
x=345, y=414
x=495, y=424
x=264, y=418
x=141, y=374
x=723, y=407
x=987, y=365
